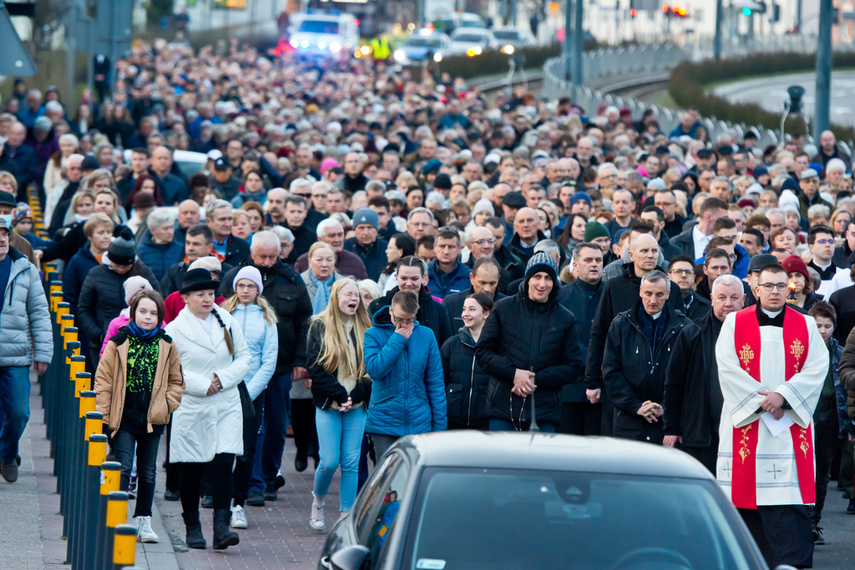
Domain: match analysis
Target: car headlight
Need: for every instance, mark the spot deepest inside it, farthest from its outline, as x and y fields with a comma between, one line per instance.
x=294, y=43
x=304, y=44
x=365, y=50
x=335, y=47
x=400, y=55
x=508, y=49
x=322, y=45
x=473, y=51
x=437, y=57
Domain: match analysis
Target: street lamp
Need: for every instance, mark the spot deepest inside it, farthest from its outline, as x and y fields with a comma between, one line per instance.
x=794, y=105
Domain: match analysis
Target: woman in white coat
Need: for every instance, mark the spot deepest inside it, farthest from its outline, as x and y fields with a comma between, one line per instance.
x=207, y=432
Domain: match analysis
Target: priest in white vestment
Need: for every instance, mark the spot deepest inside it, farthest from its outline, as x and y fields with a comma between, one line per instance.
x=772, y=363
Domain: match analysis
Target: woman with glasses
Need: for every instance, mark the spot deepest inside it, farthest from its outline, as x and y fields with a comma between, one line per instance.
x=341, y=390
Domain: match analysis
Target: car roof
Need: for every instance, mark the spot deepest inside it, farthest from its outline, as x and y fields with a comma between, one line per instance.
x=508, y=450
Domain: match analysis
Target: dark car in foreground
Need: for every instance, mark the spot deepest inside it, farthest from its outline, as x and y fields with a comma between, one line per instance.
x=478, y=501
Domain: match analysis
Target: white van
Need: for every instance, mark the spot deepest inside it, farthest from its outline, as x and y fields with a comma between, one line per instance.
x=333, y=36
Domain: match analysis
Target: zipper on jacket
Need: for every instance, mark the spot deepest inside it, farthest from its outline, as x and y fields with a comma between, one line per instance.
x=471, y=390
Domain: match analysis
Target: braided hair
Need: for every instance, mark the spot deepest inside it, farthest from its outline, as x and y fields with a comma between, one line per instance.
x=226, y=334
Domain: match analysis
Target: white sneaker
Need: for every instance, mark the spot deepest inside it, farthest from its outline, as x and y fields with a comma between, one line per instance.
x=316, y=521
x=144, y=532
x=238, y=519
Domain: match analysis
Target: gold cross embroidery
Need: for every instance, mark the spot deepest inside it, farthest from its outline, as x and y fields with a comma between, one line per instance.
x=746, y=355
x=797, y=349
x=804, y=444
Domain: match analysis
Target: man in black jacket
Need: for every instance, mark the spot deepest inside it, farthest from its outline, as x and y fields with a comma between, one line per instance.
x=218, y=216
x=693, y=399
x=366, y=243
x=638, y=350
x=654, y=216
x=197, y=243
x=530, y=349
x=620, y=294
x=681, y=270
x=285, y=291
x=412, y=276
x=694, y=240
x=484, y=279
x=579, y=415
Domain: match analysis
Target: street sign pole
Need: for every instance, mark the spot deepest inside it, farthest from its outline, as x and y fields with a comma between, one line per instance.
x=823, y=70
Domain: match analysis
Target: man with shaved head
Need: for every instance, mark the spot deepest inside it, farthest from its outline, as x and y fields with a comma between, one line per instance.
x=619, y=295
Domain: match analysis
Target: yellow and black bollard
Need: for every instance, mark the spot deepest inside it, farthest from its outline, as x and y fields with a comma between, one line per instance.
x=124, y=546
x=97, y=454
x=117, y=514
x=75, y=511
x=111, y=472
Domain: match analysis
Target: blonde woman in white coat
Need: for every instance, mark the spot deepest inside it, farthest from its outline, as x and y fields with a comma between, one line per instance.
x=207, y=430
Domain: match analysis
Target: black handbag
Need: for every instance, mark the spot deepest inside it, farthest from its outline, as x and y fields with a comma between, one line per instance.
x=245, y=401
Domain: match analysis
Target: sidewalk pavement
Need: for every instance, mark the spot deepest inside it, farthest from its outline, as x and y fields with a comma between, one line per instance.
x=278, y=536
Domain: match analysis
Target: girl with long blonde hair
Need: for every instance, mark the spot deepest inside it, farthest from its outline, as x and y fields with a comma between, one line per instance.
x=340, y=391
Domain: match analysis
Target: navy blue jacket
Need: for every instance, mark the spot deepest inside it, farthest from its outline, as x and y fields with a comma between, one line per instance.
x=455, y=281
x=159, y=257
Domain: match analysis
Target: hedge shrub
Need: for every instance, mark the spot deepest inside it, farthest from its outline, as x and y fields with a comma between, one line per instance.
x=687, y=87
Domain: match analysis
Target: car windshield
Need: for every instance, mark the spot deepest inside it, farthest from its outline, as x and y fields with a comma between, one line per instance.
x=506, y=34
x=318, y=27
x=507, y=519
x=190, y=168
x=416, y=41
x=468, y=37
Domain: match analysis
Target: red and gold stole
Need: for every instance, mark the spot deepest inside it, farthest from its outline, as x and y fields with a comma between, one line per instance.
x=748, y=343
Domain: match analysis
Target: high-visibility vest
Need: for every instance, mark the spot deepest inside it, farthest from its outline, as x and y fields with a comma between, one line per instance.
x=380, y=48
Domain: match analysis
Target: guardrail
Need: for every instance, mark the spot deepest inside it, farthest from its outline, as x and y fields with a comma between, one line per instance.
x=658, y=58
x=93, y=509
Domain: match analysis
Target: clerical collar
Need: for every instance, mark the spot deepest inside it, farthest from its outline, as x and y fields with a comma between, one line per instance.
x=769, y=318
x=656, y=316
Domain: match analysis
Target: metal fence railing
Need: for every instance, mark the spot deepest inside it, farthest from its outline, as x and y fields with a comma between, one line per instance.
x=659, y=58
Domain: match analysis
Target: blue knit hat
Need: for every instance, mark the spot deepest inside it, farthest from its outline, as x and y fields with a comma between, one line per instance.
x=544, y=262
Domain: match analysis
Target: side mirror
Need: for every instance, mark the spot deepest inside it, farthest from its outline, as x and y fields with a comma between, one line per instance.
x=354, y=557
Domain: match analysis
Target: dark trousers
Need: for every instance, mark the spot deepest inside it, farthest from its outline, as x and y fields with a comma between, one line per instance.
x=846, y=478
x=382, y=443
x=303, y=426
x=271, y=438
x=633, y=426
x=220, y=471
x=825, y=444
x=580, y=418
x=783, y=534
x=707, y=455
x=173, y=471
x=243, y=463
x=146, y=445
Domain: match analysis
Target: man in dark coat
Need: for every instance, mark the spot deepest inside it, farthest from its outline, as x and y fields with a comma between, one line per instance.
x=693, y=399
x=483, y=279
x=681, y=270
x=19, y=159
x=366, y=244
x=218, y=217
x=412, y=276
x=579, y=415
x=655, y=217
x=530, y=350
x=285, y=291
x=638, y=350
x=620, y=294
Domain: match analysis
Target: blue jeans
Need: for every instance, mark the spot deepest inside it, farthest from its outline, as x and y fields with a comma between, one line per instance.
x=340, y=441
x=14, y=409
x=271, y=436
x=505, y=425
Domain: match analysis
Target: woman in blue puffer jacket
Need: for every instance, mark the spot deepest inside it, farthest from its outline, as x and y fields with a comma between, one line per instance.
x=403, y=360
x=257, y=320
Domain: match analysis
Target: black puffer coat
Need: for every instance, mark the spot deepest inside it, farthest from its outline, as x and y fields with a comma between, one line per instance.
x=527, y=335
x=465, y=383
x=326, y=389
x=102, y=298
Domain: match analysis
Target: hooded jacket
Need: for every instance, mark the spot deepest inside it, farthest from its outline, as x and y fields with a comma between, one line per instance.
x=407, y=388
x=431, y=314
x=26, y=334
x=581, y=299
x=262, y=339
x=465, y=382
x=528, y=335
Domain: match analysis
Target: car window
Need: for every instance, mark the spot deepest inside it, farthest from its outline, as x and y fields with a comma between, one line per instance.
x=318, y=27
x=561, y=516
x=377, y=514
x=468, y=37
x=506, y=34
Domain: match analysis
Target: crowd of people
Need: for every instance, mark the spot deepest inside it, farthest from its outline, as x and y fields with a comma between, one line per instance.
x=362, y=255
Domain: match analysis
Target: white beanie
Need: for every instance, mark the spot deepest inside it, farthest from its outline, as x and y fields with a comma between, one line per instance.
x=250, y=273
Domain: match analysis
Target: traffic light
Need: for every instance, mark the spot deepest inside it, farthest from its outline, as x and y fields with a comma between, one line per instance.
x=680, y=12
x=633, y=13
x=760, y=7
x=746, y=11
x=776, y=13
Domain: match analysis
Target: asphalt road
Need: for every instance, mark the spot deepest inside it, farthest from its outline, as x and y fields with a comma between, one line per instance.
x=771, y=92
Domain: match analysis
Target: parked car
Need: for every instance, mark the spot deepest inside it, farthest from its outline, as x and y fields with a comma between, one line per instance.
x=512, y=39
x=475, y=500
x=472, y=41
x=454, y=20
x=423, y=44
